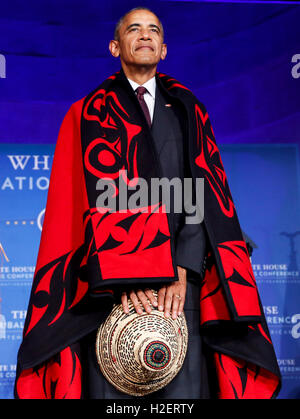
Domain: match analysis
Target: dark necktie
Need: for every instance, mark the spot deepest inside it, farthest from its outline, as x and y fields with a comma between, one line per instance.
x=140, y=95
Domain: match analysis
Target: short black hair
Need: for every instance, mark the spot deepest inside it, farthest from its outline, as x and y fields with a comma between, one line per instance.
x=122, y=18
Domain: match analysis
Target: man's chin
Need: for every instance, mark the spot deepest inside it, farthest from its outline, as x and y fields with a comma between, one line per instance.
x=146, y=61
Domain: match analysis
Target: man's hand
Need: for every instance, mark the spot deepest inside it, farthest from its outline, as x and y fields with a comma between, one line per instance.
x=170, y=299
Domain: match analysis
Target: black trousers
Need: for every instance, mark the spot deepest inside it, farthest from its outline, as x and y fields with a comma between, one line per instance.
x=192, y=381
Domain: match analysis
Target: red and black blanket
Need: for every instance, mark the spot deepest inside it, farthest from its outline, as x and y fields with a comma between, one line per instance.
x=86, y=253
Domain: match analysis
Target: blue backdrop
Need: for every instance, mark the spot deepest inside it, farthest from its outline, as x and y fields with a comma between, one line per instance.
x=242, y=60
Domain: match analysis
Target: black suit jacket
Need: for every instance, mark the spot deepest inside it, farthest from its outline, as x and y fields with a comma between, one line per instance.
x=171, y=146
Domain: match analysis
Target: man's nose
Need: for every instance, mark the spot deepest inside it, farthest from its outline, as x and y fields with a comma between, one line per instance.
x=145, y=34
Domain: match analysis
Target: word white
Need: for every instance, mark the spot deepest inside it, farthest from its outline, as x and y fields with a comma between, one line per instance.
x=2, y=67
x=296, y=68
x=21, y=161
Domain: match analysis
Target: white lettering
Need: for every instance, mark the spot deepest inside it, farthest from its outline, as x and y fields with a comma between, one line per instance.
x=271, y=309
x=22, y=182
x=160, y=193
x=2, y=67
x=42, y=179
x=44, y=162
x=18, y=314
x=7, y=184
x=296, y=68
x=19, y=161
x=296, y=328
x=119, y=409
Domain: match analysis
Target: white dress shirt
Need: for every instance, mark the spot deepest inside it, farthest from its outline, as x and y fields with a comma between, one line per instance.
x=149, y=96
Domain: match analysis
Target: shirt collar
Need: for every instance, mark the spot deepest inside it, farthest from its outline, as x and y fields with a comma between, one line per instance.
x=150, y=85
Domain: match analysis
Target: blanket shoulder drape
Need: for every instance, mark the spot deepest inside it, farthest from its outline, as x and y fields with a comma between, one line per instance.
x=85, y=252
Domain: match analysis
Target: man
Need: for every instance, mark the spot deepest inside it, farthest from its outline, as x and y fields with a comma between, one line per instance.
x=139, y=44
x=142, y=124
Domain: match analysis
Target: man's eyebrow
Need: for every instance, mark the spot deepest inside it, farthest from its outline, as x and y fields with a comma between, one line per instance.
x=152, y=25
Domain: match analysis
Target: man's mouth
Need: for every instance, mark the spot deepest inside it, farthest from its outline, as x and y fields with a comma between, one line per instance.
x=145, y=47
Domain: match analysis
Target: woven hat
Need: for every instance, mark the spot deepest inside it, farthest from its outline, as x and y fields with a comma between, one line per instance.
x=141, y=353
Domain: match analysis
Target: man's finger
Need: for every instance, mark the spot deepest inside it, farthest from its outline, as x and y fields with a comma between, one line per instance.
x=161, y=298
x=168, y=302
x=175, y=305
x=135, y=301
x=143, y=299
x=181, y=305
x=151, y=297
x=124, y=301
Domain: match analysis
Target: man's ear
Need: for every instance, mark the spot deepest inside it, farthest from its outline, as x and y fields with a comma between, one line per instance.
x=163, y=52
x=114, y=48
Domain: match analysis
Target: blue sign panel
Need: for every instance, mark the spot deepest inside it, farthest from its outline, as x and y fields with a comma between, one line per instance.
x=24, y=181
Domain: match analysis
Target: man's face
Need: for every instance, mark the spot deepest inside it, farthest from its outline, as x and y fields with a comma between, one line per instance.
x=140, y=40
